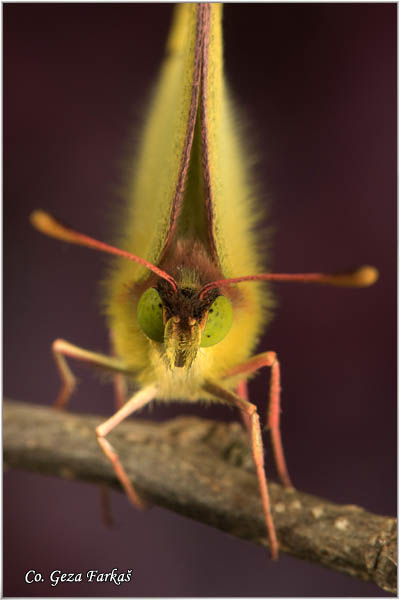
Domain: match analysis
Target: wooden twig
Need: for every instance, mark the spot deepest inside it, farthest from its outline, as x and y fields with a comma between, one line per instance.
x=203, y=470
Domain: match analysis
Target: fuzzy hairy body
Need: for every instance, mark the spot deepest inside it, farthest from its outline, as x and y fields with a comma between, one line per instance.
x=190, y=210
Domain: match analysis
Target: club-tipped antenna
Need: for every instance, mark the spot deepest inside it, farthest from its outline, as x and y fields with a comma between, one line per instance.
x=48, y=225
x=361, y=277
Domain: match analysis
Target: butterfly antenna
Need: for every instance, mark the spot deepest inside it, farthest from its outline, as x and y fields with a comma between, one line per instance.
x=361, y=277
x=48, y=225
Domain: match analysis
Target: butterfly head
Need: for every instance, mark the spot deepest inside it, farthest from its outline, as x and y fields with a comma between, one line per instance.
x=183, y=321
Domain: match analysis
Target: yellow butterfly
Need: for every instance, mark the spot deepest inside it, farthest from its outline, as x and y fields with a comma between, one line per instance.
x=185, y=299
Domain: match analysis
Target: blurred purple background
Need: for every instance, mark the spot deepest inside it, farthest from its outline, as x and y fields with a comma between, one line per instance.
x=317, y=84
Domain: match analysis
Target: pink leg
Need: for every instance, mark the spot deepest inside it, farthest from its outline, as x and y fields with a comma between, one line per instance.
x=242, y=392
x=120, y=386
x=258, y=455
x=105, y=505
x=120, y=390
x=62, y=349
x=269, y=359
x=120, y=394
x=137, y=401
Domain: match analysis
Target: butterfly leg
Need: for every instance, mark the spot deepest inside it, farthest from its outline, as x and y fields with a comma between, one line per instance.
x=269, y=359
x=120, y=384
x=105, y=505
x=258, y=454
x=62, y=349
x=241, y=391
x=120, y=396
x=120, y=390
x=137, y=401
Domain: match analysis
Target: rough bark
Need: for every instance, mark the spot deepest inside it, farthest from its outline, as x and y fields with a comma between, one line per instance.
x=203, y=470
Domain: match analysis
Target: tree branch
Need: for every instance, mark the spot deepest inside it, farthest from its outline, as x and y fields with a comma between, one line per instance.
x=203, y=470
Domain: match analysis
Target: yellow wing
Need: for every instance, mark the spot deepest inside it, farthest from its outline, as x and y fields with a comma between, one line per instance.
x=155, y=191
x=190, y=186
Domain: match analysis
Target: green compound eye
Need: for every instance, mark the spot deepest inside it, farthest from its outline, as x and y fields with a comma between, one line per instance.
x=219, y=321
x=150, y=315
